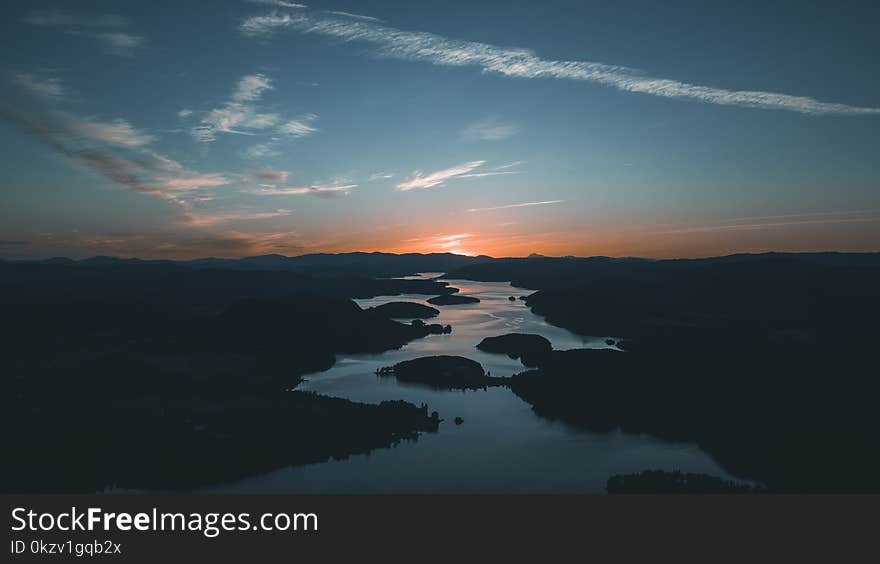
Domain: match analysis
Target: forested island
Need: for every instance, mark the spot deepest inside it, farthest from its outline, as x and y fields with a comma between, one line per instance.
x=406, y=310
x=443, y=372
x=453, y=299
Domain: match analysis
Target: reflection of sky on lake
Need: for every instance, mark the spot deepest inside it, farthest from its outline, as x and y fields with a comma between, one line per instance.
x=501, y=446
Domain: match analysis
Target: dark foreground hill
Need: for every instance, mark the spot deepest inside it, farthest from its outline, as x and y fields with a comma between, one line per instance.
x=664, y=482
x=174, y=283
x=159, y=375
x=104, y=391
x=768, y=362
x=790, y=417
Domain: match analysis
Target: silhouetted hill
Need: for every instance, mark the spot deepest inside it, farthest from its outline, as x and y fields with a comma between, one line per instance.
x=108, y=389
x=378, y=265
x=367, y=264
x=160, y=439
x=553, y=273
x=764, y=360
x=793, y=416
x=777, y=297
x=542, y=272
x=313, y=323
x=170, y=282
x=780, y=295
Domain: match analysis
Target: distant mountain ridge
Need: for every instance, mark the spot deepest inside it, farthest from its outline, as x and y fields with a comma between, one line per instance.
x=546, y=272
x=375, y=264
x=534, y=271
x=275, y=260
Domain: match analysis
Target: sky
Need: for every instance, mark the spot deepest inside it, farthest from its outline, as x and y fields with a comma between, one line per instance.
x=631, y=128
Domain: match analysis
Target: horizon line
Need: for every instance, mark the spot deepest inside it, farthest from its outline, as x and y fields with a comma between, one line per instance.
x=484, y=256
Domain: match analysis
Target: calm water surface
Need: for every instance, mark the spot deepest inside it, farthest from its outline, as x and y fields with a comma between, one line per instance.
x=502, y=446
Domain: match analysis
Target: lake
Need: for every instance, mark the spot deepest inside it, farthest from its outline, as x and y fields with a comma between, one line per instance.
x=502, y=446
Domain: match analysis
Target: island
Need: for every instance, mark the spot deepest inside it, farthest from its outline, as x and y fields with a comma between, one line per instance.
x=530, y=349
x=453, y=299
x=406, y=310
x=433, y=328
x=443, y=373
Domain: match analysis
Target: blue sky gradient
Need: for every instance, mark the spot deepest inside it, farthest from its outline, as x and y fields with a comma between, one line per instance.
x=182, y=129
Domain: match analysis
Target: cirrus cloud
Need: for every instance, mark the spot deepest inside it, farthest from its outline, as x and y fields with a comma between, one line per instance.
x=431, y=48
x=103, y=27
x=520, y=205
x=319, y=190
x=118, y=132
x=490, y=129
x=419, y=180
x=240, y=115
x=114, y=149
x=45, y=87
x=300, y=127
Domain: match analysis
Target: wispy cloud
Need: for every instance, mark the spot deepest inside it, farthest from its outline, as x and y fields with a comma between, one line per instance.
x=260, y=151
x=251, y=87
x=211, y=218
x=120, y=43
x=274, y=183
x=118, y=132
x=489, y=173
x=438, y=50
x=419, y=180
x=380, y=176
x=45, y=87
x=300, y=127
x=522, y=205
x=451, y=243
x=223, y=243
x=354, y=16
x=276, y=176
x=57, y=18
x=103, y=27
x=241, y=115
x=114, y=149
x=319, y=190
x=778, y=221
x=443, y=242
x=280, y=3
x=509, y=165
x=191, y=181
x=490, y=129
x=184, y=113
